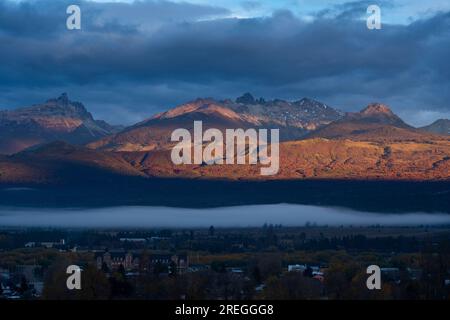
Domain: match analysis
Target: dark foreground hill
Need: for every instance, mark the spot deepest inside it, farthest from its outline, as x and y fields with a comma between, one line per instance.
x=375, y=196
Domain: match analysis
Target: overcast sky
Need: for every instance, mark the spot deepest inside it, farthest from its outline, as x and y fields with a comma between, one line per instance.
x=133, y=59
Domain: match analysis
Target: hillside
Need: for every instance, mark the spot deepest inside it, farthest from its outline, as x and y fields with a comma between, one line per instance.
x=59, y=162
x=319, y=159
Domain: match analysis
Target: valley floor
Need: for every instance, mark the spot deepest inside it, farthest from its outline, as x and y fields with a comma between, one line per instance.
x=267, y=262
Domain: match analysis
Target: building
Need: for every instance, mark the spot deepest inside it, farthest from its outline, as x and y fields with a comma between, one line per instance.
x=30, y=272
x=235, y=270
x=114, y=259
x=134, y=240
x=390, y=274
x=198, y=268
x=166, y=259
x=34, y=277
x=132, y=260
x=46, y=244
x=59, y=244
x=297, y=267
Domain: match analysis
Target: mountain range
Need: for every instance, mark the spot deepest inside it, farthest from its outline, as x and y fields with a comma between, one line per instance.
x=59, y=141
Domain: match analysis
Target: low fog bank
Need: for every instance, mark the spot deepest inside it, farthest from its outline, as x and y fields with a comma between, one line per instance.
x=241, y=216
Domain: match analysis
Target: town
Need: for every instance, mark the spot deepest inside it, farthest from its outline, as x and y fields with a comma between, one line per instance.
x=270, y=262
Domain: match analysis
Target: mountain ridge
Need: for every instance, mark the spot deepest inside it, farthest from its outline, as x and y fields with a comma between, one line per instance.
x=440, y=126
x=55, y=119
x=376, y=122
x=295, y=119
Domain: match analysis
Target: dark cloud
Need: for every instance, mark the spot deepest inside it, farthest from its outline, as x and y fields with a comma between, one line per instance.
x=132, y=60
x=353, y=9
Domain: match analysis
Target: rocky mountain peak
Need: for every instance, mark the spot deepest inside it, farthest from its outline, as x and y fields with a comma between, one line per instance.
x=311, y=102
x=246, y=98
x=377, y=108
x=62, y=105
x=62, y=100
